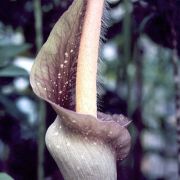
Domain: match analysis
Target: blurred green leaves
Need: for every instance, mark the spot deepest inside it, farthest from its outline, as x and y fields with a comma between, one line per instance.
x=9, y=51
x=12, y=71
x=11, y=108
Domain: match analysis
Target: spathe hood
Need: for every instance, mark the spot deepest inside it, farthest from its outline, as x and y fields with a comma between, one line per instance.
x=53, y=78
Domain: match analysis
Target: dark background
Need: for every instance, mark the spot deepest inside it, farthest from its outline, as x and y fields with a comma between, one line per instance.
x=138, y=82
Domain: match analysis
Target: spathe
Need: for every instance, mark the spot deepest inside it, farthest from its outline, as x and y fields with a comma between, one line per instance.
x=110, y=129
x=53, y=74
x=53, y=78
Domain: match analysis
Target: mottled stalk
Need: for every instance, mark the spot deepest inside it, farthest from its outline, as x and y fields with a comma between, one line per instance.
x=42, y=110
x=127, y=50
x=38, y=24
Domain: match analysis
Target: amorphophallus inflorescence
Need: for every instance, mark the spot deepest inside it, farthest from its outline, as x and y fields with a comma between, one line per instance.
x=84, y=143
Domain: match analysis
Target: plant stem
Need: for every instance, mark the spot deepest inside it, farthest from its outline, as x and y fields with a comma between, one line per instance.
x=127, y=48
x=42, y=109
x=175, y=61
x=86, y=92
x=38, y=23
x=138, y=150
x=41, y=141
x=177, y=97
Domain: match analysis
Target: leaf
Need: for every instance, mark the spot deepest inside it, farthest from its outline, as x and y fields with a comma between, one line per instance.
x=54, y=72
x=3, y=62
x=9, y=51
x=11, y=108
x=144, y=22
x=4, y=176
x=12, y=71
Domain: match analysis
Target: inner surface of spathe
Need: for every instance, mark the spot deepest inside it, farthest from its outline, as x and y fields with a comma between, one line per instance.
x=54, y=73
